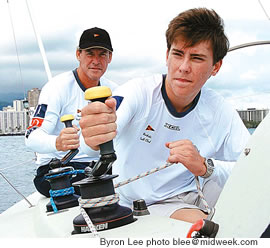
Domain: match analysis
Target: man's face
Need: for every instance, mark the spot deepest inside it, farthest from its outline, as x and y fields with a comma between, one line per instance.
x=188, y=70
x=94, y=63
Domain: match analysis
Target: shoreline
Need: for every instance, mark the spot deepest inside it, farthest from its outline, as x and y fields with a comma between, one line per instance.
x=11, y=134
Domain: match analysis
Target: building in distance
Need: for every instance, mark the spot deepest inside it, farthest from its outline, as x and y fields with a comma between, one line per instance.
x=252, y=116
x=15, y=119
x=32, y=97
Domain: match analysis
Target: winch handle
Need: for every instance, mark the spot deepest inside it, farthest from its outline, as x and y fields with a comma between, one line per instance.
x=107, y=152
x=67, y=120
x=100, y=93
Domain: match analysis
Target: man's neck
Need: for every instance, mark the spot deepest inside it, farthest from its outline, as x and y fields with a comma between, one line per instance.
x=87, y=83
x=181, y=104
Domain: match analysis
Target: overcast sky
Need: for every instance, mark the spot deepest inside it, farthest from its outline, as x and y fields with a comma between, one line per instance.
x=137, y=29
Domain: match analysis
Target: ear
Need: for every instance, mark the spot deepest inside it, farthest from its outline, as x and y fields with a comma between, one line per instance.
x=167, y=56
x=216, y=68
x=78, y=54
x=110, y=58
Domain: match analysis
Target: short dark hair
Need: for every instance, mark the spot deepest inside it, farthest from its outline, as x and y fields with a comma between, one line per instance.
x=197, y=25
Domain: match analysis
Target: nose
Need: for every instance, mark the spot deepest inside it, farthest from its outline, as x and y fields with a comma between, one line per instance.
x=95, y=60
x=185, y=66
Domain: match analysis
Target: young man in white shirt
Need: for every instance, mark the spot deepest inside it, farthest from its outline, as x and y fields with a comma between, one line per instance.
x=173, y=118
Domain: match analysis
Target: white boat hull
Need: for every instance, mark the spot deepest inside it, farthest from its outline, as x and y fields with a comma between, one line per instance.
x=241, y=211
x=22, y=221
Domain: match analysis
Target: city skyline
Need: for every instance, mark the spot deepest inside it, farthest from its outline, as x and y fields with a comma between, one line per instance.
x=36, y=91
x=138, y=41
x=15, y=119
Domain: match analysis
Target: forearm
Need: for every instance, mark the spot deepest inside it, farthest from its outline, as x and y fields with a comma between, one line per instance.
x=41, y=142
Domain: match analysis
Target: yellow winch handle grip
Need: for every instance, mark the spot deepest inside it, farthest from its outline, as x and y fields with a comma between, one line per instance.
x=98, y=92
x=67, y=119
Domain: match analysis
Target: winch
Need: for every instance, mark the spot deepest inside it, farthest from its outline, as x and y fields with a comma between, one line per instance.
x=98, y=201
x=62, y=192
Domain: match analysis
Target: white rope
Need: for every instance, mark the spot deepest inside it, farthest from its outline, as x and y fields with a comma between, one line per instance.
x=99, y=202
x=142, y=175
x=111, y=199
x=93, y=203
x=204, y=202
x=200, y=193
x=89, y=223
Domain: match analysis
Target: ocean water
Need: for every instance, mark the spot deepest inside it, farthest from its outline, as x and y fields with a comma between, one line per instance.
x=251, y=130
x=17, y=164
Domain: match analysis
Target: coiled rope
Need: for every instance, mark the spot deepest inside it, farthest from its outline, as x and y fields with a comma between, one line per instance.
x=95, y=202
x=72, y=172
x=61, y=192
x=111, y=199
x=57, y=193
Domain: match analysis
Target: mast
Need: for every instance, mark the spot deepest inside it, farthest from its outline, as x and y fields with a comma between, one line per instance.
x=40, y=44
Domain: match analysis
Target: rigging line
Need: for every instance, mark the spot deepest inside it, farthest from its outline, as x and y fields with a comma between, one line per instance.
x=20, y=164
x=40, y=44
x=30, y=204
x=264, y=10
x=16, y=47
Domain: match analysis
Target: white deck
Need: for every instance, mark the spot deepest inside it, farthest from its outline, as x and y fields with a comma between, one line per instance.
x=22, y=221
x=241, y=211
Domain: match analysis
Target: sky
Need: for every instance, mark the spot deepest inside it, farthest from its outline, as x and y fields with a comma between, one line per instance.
x=137, y=30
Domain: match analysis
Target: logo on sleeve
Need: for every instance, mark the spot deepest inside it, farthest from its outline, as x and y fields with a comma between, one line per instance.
x=38, y=116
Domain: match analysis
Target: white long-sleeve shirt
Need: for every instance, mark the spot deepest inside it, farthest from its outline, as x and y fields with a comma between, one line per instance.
x=146, y=120
x=62, y=95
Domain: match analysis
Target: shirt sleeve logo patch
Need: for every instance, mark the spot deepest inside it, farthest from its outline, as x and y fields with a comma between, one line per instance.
x=36, y=122
x=41, y=110
x=38, y=116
